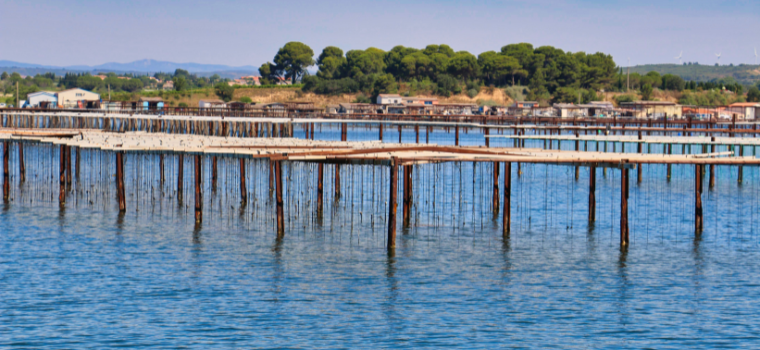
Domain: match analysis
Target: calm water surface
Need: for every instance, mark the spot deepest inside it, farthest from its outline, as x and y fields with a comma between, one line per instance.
x=86, y=277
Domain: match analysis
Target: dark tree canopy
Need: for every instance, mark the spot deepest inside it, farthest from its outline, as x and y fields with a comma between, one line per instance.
x=293, y=59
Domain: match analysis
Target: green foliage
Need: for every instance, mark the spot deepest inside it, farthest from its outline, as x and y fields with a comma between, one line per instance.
x=321, y=86
x=472, y=92
x=269, y=73
x=293, y=59
x=246, y=99
x=673, y=82
x=4, y=76
x=182, y=104
x=753, y=95
x=624, y=98
x=448, y=85
x=517, y=93
x=646, y=92
x=180, y=83
x=463, y=65
x=224, y=91
x=362, y=99
x=330, y=63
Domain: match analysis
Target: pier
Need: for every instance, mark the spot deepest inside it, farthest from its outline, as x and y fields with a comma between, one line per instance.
x=296, y=166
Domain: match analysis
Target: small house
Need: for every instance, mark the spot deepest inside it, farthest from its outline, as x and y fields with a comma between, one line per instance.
x=743, y=110
x=77, y=98
x=386, y=99
x=151, y=103
x=42, y=99
x=212, y=104
x=652, y=109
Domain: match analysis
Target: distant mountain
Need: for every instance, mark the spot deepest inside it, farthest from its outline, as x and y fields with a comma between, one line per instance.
x=743, y=73
x=141, y=66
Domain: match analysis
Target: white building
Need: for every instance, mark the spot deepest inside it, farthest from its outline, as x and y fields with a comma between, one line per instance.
x=212, y=104
x=76, y=98
x=388, y=99
x=36, y=99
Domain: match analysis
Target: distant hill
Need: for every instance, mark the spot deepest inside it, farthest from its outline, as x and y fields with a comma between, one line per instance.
x=744, y=73
x=141, y=66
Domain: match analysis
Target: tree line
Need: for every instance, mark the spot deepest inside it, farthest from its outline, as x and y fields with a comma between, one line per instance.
x=547, y=72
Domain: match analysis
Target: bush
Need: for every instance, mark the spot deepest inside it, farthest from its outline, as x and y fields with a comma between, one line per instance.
x=448, y=85
x=624, y=98
x=330, y=87
x=246, y=99
x=472, y=92
x=182, y=104
x=362, y=99
x=517, y=92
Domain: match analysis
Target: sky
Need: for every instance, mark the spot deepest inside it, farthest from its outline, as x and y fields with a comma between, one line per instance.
x=236, y=33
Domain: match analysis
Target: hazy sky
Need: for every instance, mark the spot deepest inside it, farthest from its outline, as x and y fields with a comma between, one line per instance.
x=250, y=32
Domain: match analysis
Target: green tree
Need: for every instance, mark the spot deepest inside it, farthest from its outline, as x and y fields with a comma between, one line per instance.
x=463, y=65
x=246, y=99
x=330, y=63
x=4, y=76
x=180, y=83
x=269, y=73
x=362, y=62
x=393, y=60
x=224, y=91
x=753, y=94
x=293, y=59
x=442, y=49
x=646, y=92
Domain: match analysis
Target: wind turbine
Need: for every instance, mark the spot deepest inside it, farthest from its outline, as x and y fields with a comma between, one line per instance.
x=718, y=55
x=679, y=57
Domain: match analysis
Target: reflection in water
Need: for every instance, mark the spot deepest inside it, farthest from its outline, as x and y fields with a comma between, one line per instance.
x=624, y=287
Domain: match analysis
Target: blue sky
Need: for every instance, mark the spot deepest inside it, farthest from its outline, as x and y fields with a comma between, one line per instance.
x=250, y=32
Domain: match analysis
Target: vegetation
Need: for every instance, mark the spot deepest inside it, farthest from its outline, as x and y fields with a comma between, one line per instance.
x=745, y=74
x=438, y=69
x=224, y=91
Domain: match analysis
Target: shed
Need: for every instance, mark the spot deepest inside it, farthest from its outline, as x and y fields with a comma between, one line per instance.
x=215, y=104
x=40, y=98
x=77, y=98
x=151, y=103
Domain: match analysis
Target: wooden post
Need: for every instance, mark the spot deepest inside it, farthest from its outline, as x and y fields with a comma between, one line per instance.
x=271, y=177
x=456, y=136
x=243, y=187
x=407, y=200
x=320, y=188
x=399, y=134
x=392, y=205
x=337, y=181
x=22, y=166
x=486, y=131
x=495, y=195
x=427, y=134
x=639, y=166
x=712, y=169
x=592, y=193
x=198, y=195
x=577, y=148
x=120, y=182
x=380, y=132
x=670, y=151
x=6, y=175
x=507, y=214
x=68, y=165
x=61, y=174
x=280, y=211
x=312, y=131
x=77, y=163
x=624, y=240
x=214, y=172
x=180, y=176
x=417, y=133
x=161, y=176
x=698, y=223
x=741, y=168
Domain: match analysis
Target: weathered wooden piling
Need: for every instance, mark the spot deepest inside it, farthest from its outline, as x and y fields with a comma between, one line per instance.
x=507, y=213
x=486, y=131
x=495, y=192
x=392, y=204
x=740, y=171
x=624, y=239
x=198, y=194
x=278, y=196
x=120, y=194
x=214, y=173
x=407, y=200
x=380, y=132
x=337, y=181
x=243, y=187
x=68, y=165
x=6, y=175
x=712, y=167
x=592, y=193
x=180, y=175
x=21, y=163
x=399, y=134
x=670, y=151
x=320, y=187
x=456, y=135
x=161, y=176
x=62, y=174
x=417, y=133
x=698, y=183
